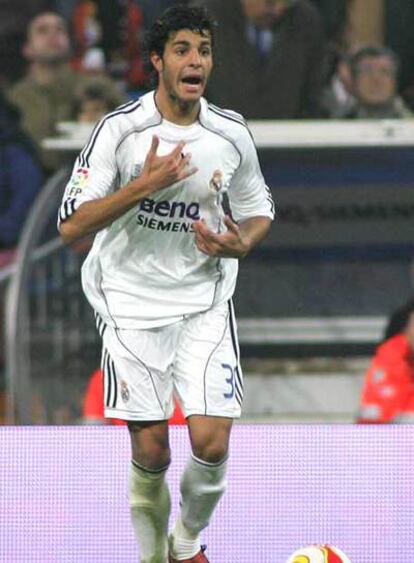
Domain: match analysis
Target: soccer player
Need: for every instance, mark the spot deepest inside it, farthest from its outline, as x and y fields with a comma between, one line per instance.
x=173, y=189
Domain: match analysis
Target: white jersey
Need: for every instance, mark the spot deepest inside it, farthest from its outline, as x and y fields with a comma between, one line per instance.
x=144, y=270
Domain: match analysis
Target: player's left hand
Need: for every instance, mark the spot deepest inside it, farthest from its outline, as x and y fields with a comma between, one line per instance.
x=230, y=244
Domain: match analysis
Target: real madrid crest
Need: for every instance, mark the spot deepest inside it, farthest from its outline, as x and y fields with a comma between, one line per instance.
x=125, y=391
x=136, y=172
x=216, y=182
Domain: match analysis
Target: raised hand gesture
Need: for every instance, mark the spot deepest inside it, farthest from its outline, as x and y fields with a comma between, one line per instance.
x=162, y=171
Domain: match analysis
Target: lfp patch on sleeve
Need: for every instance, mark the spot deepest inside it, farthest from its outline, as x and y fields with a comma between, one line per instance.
x=78, y=181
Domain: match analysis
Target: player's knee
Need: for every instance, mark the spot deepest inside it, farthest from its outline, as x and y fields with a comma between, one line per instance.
x=150, y=446
x=211, y=447
x=211, y=452
x=210, y=438
x=152, y=457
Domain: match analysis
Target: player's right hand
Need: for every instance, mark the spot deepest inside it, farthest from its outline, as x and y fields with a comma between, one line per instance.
x=162, y=171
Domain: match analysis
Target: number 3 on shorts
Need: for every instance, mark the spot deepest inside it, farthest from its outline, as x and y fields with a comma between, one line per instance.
x=229, y=381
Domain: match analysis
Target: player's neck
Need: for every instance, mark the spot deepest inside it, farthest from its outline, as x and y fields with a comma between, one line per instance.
x=175, y=110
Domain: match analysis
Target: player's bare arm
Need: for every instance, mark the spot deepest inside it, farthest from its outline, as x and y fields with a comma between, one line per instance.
x=236, y=242
x=158, y=172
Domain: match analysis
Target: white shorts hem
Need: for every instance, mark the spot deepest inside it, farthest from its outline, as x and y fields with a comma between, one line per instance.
x=133, y=417
x=212, y=413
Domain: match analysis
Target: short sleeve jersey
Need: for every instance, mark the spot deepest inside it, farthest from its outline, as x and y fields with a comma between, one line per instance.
x=144, y=269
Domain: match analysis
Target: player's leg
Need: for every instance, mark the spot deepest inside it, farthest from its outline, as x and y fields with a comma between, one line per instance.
x=202, y=483
x=149, y=496
x=209, y=384
x=138, y=388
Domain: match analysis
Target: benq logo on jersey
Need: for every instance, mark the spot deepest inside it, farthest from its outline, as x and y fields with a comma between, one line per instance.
x=78, y=181
x=172, y=209
x=165, y=215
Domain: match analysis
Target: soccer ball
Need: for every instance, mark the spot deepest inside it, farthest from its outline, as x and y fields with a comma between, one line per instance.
x=319, y=554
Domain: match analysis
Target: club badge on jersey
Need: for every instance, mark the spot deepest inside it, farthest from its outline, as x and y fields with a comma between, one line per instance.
x=216, y=206
x=136, y=172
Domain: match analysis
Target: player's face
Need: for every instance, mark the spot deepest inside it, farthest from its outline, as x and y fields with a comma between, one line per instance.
x=185, y=66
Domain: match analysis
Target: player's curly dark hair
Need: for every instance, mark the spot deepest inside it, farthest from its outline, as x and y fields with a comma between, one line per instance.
x=174, y=19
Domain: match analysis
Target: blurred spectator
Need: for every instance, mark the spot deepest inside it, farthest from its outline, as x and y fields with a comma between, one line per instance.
x=399, y=24
x=335, y=17
x=117, y=28
x=20, y=178
x=87, y=29
x=20, y=181
x=93, y=100
x=14, y=17
x=93, y=62
x=374, y=73
x=45, y=95
x=93, y=405
x=270, y=58
x=151, y=9
x=65, y=8
x=338, y=100
x=335, y=22
x=388, y=392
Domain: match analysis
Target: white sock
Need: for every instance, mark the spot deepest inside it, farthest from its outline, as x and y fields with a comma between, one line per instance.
x=202, y=486
x=149, y=500
x=182, y=543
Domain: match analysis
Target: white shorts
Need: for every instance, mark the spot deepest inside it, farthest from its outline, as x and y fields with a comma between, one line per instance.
x=197, y=359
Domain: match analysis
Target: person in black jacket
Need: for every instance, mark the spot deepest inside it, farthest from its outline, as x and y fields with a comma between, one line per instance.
x=269, y=58
x=20, y=175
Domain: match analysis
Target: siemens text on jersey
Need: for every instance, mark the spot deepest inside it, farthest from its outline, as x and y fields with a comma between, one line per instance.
x=182, y=210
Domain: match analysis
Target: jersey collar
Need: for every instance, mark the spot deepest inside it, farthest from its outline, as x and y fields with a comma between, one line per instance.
x=148, y=102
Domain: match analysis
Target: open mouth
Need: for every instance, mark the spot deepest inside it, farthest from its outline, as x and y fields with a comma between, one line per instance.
x=192, y=80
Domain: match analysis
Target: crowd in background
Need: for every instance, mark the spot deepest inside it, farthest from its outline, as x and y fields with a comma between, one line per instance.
x=274, y=59
x=75, y=60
